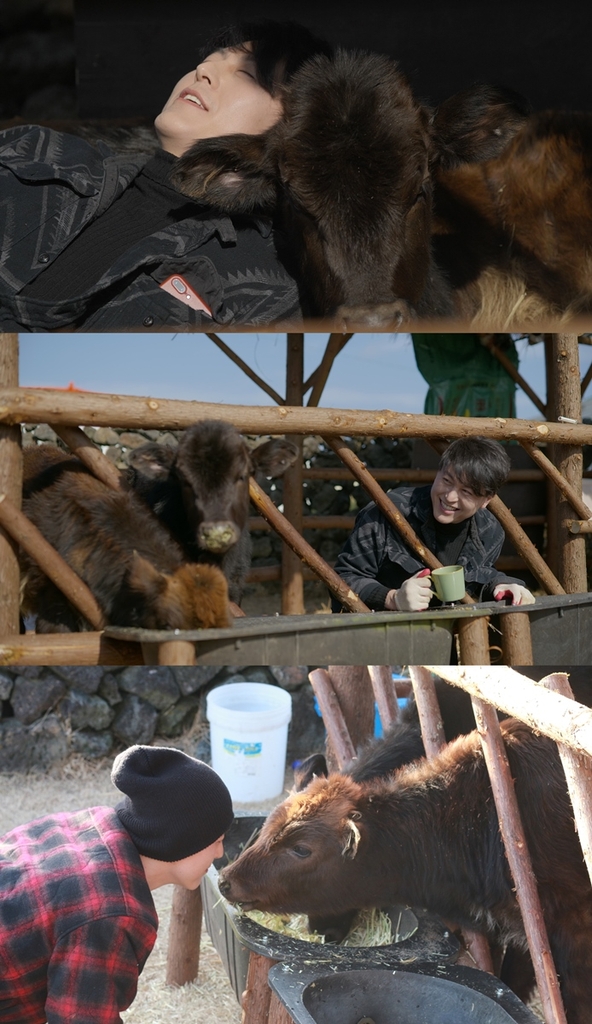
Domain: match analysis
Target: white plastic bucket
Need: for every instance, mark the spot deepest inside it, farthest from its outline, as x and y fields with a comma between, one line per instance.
x=249, y=736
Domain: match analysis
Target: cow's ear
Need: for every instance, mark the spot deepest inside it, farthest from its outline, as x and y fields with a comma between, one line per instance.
x=312, y=767
x=144, y=577
x=477, y=124
x=152, y=461
x=351, y=839
x=274, y=457
x=235, y=173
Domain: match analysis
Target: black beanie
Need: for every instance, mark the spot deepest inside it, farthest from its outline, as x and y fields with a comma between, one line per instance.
x=174, y=806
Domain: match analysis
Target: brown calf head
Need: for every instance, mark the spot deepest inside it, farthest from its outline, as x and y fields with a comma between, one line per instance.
x=304, y=860
x=193, y=597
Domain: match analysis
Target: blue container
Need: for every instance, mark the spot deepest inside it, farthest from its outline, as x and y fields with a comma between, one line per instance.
x=378, y=730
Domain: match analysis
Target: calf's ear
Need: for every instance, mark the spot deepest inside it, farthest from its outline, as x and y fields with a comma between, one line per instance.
x=234, y=173
x=274, y=457
x=477, y=124
x=351, y=839
x=312, y=767
x=152, y=461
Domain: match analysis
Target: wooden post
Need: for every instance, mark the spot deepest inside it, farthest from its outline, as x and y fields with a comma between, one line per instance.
x=473, y=640
x=92, y=648
x=340, y=746
x=578, y=774
x=565, y=400
x=385, y=695
x=356, y=700
x=178, y=652
x=11, y=482
x=184, y=936
x=278, y=1013
x=432, y=732
x=257, y=995
x=516, y=638
x=85, y=449
x=519, y=860
x=552, y=540
x=292, y=579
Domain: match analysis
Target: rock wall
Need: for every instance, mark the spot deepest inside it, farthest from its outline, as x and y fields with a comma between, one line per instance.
x=49, y=713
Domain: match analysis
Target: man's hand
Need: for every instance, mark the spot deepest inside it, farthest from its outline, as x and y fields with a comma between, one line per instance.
x=414, y=595
x=519, y=595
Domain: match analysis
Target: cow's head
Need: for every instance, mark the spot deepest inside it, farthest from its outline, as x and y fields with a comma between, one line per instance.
x=346, y=172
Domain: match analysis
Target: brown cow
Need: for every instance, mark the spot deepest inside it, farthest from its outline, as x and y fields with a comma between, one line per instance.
x=200, y=491
x=129, y=561
x=348, y=172
x=430, y=837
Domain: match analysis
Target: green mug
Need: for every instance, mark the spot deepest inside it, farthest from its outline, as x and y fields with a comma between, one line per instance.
x=449, y=583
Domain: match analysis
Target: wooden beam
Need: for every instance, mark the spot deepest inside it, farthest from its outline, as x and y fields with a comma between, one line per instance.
x=385, y=694
x=292, y=579
x=90, y=648
x=318, y=379
x=232, y=355
x=333, y=718
x=488, y=341
x=85, y=449
x=567, y=490
x=11, y=475
x=37, y=405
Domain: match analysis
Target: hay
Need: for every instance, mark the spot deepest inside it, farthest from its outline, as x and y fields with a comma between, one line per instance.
x=372, y=927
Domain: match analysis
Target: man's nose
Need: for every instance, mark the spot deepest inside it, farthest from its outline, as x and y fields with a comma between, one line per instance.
x=206, y=72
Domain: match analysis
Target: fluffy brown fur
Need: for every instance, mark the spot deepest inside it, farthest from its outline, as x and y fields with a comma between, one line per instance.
x=126, y=557
x=429, y=837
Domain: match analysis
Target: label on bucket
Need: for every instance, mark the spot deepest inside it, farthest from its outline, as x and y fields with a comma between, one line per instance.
x=246, y=749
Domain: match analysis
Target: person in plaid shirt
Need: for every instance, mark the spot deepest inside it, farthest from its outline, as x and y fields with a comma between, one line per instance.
x=77, y=919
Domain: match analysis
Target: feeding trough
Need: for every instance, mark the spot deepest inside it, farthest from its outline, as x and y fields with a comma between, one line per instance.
x=422, y=937
x=440, y=994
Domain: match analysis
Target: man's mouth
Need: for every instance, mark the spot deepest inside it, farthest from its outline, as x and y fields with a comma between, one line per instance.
x=447, y=508
x=193, y=97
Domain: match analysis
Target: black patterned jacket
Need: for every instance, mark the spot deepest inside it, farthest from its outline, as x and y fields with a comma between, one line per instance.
x=375, y=558
x=52, y=185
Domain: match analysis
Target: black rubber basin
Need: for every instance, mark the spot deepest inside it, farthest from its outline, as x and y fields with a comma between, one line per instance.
x=440, y=995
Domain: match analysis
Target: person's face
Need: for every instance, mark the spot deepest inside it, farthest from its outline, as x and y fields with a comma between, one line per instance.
x=190, y=871
x=220, y=97
x=453, y=501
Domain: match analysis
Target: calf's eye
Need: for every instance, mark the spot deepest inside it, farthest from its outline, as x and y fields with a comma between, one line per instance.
x=301, y=851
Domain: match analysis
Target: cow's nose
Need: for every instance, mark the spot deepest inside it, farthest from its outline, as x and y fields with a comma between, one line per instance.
x=217, y=536
x=224, y=887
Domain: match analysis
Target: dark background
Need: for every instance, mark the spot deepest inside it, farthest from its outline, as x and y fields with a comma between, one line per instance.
x=130, y=53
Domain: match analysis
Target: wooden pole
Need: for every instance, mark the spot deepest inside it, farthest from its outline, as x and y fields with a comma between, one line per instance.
x=385, y=695
x=176, y=652
x=552, y=536
x=320, y=376
x=543, y=711
x=53, y=565
x=518, y=856
x=488, y=342
x=303, y=550
x=567, y=490
x=353, y=689
x=11, y=476
x=85, y=449
x=278, y=1013
x=292, y=579
x=516, y=639
x=184, y=936
x=30, y=405
x=337, y=731
x=91, y=648
x=579, y=525
x=567, y=401
x=473, y=641
x=246, y=368
x=432, y=732
x=578, y=774
x=256, y=998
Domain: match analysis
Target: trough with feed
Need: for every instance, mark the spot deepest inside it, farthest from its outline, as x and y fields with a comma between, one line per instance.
x=421, y=938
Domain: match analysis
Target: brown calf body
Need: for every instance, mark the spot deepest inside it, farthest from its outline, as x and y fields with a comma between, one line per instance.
x=429, y=837
x=132, y=565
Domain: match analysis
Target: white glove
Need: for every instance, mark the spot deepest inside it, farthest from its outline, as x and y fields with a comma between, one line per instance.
x=414, y=595
x=519, y=595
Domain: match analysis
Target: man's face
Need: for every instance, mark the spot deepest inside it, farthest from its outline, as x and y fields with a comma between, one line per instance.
x=190, y=871
x=220, y=97
x=453, y=501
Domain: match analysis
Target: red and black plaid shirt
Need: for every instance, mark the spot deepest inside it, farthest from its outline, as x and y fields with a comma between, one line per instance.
x=77, y=920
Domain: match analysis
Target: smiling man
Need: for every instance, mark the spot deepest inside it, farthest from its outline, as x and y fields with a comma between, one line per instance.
x=452, y=518
x=77, y=919
x=97, y=241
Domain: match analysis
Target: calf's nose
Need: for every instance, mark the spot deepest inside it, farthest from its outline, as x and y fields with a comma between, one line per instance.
x=224, y=887
x=217, y=536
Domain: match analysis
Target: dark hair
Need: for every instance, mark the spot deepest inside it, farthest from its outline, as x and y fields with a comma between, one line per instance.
x=478, y=462
x=279, y=48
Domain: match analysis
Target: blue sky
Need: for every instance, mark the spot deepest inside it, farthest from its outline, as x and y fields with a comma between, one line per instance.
x=373, y=371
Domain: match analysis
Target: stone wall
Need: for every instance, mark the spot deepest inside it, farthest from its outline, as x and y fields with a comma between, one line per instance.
x=49, y=713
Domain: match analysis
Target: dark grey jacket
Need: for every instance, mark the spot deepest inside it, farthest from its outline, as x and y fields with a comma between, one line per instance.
x=52, y=185
x=375, y=558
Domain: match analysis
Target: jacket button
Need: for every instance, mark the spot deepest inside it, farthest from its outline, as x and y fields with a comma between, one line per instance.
x=44, y=258
x=148, y=321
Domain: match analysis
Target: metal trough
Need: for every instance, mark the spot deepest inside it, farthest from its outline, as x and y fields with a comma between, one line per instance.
x=426, y=995
x=423, y=937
